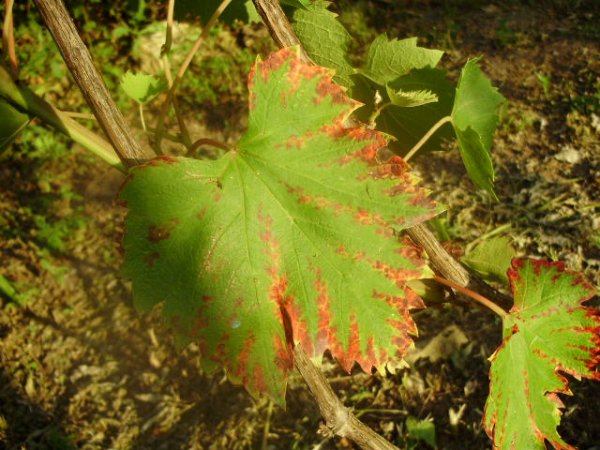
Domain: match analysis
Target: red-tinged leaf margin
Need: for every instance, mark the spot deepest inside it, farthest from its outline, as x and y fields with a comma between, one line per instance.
x=578, y=280
x=519, y=314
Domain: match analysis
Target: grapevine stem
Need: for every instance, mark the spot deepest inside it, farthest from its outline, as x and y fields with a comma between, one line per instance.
x=474, y=295
x=184, y=66
x=166, y=48
x=425, y=138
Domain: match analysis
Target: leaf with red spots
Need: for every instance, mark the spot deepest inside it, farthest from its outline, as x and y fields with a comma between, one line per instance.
x=291, y=237
x=547, y=334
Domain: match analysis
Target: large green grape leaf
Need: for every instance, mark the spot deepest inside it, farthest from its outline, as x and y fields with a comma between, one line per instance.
x=291, y=237
x=547, y=332
x=474, y=117
x=387, y=60
x=325, y=39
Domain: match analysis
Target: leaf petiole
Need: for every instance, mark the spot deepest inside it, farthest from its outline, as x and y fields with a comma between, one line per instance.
x=142, y=121
x=432, y=130
x=474, y=295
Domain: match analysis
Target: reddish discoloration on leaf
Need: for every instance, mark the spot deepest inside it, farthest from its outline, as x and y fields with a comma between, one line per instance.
x=258, y=379
x=242, y=363
x=326, y=88
x=397, y=275
x=299, y=327
x=152, y=258
x=155, y=162
x=284, y=353
x=157, y=233
x=296, y=142
x=548, y=302
x=347, y=356
x=274, y=62
x=324, y=305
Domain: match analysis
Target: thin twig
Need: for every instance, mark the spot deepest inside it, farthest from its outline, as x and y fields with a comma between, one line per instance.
x=164, y=52
x=432, y=130
x=184, y=66
x=166, y=48
x=474, y=295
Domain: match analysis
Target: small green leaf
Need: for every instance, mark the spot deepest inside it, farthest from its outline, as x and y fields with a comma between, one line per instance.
x=491, y=259
x=325, y=39
x=477, y=159
x=291, y=237
x=409, y=125
x=12, y=123
x=421, y=430
x=547, y=334
x=142, y=87
x=410, y=99
x=387, y=60
x=474, y=117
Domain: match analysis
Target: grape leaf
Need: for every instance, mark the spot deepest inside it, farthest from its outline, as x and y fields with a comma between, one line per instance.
x=474, y=117
x=387, y=60
x=325, y=39
x=142, y=87
x=548, y=331
x=409, y=125
x=410, y=99
x=12, y=123
x=291, y=236
x=491, y=258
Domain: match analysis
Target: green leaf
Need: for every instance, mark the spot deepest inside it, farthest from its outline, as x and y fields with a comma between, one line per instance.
x=291, y=236
x=409, y=125
x=142, y=87
x=547, y=334
x=387, y=60
x=477, y=159
x=421, y=430
x=410, y=99
x=474, y=117
x=12, y=123
x=491, y=259
x=325, y=39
